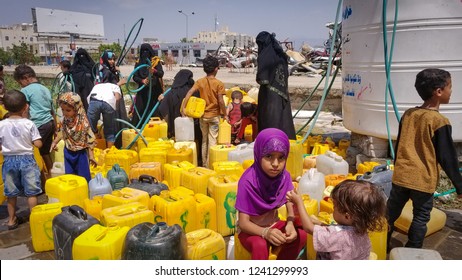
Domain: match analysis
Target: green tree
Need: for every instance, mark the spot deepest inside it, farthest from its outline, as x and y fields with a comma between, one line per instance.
x=22, y=54
x=115, y=47
x=4, y=56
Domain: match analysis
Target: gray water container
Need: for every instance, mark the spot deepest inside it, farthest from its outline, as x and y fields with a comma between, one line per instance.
x=381, y=176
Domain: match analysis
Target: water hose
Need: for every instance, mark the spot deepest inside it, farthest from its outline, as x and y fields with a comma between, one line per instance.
x=309, y=96
x=140, y=131
x=133, y=127
x=387, y=62
x=329, y=67
x=148, y=65
x=319, y=108
x=122, y=53
x=58, y=86
x=315, y=88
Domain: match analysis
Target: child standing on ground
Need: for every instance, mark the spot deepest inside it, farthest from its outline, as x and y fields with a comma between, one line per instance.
x=78, y=137
x=40, y=108
x=424, y=144
x=359, y=207
x=233, y=113
x=261, y=191
x=18, y=136
x=211, y=90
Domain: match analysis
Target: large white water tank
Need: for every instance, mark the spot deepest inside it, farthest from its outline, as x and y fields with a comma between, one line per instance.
x=428, y=35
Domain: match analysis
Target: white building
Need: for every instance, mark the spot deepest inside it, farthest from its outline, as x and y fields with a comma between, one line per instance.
x=16, y=35
x=225, y=37
x=53, y=37
x=183, y=53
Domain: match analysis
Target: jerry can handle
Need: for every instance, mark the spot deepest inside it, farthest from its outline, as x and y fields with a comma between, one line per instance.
x=99, y=178
x=78, y=212
x=155, y=119
x=380, y=168
x=116, y=168
x=157, y=228
x=148, y=179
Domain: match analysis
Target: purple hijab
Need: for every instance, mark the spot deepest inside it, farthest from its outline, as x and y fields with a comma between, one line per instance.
x=257, y=193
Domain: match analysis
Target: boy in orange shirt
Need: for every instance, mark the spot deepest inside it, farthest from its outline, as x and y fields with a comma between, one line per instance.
x=211, y=90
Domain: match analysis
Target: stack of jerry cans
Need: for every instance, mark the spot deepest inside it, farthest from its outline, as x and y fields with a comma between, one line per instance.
x=173, y=171
x=41, y=218
x=67, y=226
x=219, y=153
x=205, y=244
x=125, y=158
x=125, y=196
x=182, y=154
x=100, y=243
x=69, y=189
x=175, y=207
x=153, y=169
x=129, y=215
x=223, y=189
x=148, y=184
x=93, y=206
x=157, y=241
x=206, y=212
x=196, y=179
x=188, y=144
x=228, y=168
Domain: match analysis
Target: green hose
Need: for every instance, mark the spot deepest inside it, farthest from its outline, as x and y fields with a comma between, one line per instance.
x=329, y=67
x=122, y=53
x=387, y=60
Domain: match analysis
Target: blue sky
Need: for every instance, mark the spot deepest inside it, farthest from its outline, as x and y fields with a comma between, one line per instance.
x=295, y=20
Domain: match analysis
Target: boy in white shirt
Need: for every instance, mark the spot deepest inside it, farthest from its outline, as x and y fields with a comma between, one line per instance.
x=18, y=136
x=103, y=100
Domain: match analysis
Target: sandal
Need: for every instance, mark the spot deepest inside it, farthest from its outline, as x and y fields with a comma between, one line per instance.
x=15, y=225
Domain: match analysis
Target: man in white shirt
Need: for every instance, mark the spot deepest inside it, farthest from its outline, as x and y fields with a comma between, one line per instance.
x=102, y=100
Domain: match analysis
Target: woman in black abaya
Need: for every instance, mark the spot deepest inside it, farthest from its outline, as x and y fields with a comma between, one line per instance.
x=170, y=106
x=145, y=101
x=274, y=109
x=82, y=75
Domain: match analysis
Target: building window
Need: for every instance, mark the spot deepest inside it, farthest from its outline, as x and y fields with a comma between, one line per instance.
x=7, y=38
x=31, y=39
x=197, y=53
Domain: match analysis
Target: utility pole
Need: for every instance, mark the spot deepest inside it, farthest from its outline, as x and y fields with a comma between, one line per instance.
x=187, y=39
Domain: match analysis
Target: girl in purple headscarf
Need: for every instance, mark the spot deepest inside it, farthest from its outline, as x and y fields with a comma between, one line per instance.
x=261, y=191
